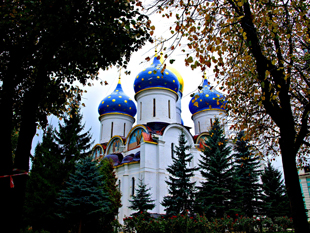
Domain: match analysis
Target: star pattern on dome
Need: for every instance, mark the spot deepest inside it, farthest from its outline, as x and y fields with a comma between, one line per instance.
x=151, y=78
x=117, y=102
x=207, y=99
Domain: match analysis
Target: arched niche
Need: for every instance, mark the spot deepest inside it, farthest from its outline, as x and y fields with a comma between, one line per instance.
x=135, y=137
x=201, y=141
x=97, y=151
x=115, y=145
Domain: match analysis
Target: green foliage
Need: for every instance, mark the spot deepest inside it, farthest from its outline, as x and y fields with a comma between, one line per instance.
x=181, y=189
x=58, y=41
x=275, y=199
x=84, y=201
x=110, y=188
x=246, y=178
x=54, y=159
x=141, y=201
x=44, y=182
x=216, y=168
x=73, y=142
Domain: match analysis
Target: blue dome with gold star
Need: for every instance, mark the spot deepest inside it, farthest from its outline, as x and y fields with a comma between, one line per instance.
x=117, y=103
x=153, y=78
x=207, y=99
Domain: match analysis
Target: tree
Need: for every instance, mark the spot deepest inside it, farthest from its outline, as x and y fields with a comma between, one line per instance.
x=83, y=201
x=142, y=201
x=275, y=199
x=216, y=168
x=181, y=189
x=247, y=174
x=74, y=143
x=110, y=187
x=259, y=51
x=45, y=47
x=43, y=185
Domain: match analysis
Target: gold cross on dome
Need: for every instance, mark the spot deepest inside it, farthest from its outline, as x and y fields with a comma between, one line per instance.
x=120, y=72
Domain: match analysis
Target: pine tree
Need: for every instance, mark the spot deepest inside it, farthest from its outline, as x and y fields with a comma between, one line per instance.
x=74, y=144
x=275, y=199
x=83, y=201
x=43, y=185
x=181, y=189
x=246, y=178
x=216, y=167
x=142, y=201
x=110, y=187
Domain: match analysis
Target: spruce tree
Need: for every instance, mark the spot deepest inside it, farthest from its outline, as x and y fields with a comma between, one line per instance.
x=83, y=202
x=181, y=189
x=44, y=183
x=142, y=201
x=110, y=187
x=275, y=199
x=246, y=178
x=74, y=143
x=216, y=168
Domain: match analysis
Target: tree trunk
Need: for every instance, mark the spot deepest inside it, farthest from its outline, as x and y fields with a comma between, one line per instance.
x=293, y=187
x=13, y=198
x=80, y=226
x=7, y=194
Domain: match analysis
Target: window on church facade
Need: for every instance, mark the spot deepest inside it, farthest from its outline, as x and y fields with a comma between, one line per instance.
x=199, y=131
x=119, y=185
x=101, y=132
x=124, y=130
x=133, y=187
x=169, y=109
x=140, y=110
x=111, y=129
x=154, y=107
x=172, y=150
x=211, y=123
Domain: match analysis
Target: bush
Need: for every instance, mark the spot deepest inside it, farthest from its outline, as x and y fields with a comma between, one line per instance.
x=200, y=224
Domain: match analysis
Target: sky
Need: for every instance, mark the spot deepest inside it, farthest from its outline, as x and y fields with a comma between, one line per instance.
x=94, y=95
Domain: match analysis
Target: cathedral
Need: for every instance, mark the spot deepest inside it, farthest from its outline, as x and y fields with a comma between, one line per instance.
x=140, y=134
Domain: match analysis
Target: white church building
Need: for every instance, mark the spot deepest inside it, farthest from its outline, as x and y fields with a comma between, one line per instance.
x=140, y=134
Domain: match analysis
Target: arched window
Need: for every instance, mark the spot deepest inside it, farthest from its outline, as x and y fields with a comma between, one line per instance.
x=169, y=109
x=133, y=187
x=101, y=132
x=111, y=129
x=154, y=107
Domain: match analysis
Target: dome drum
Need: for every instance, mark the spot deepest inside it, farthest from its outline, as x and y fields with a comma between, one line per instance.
x=156, y=105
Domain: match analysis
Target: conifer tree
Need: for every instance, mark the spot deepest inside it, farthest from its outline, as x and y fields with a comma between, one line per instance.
x=246, y=178
x=216, y=167
x=142, y=201
x=181, y=189
x=110, y=187
x=83, y=201
x=44, y=183
x=275, y=199
x=74, y=143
